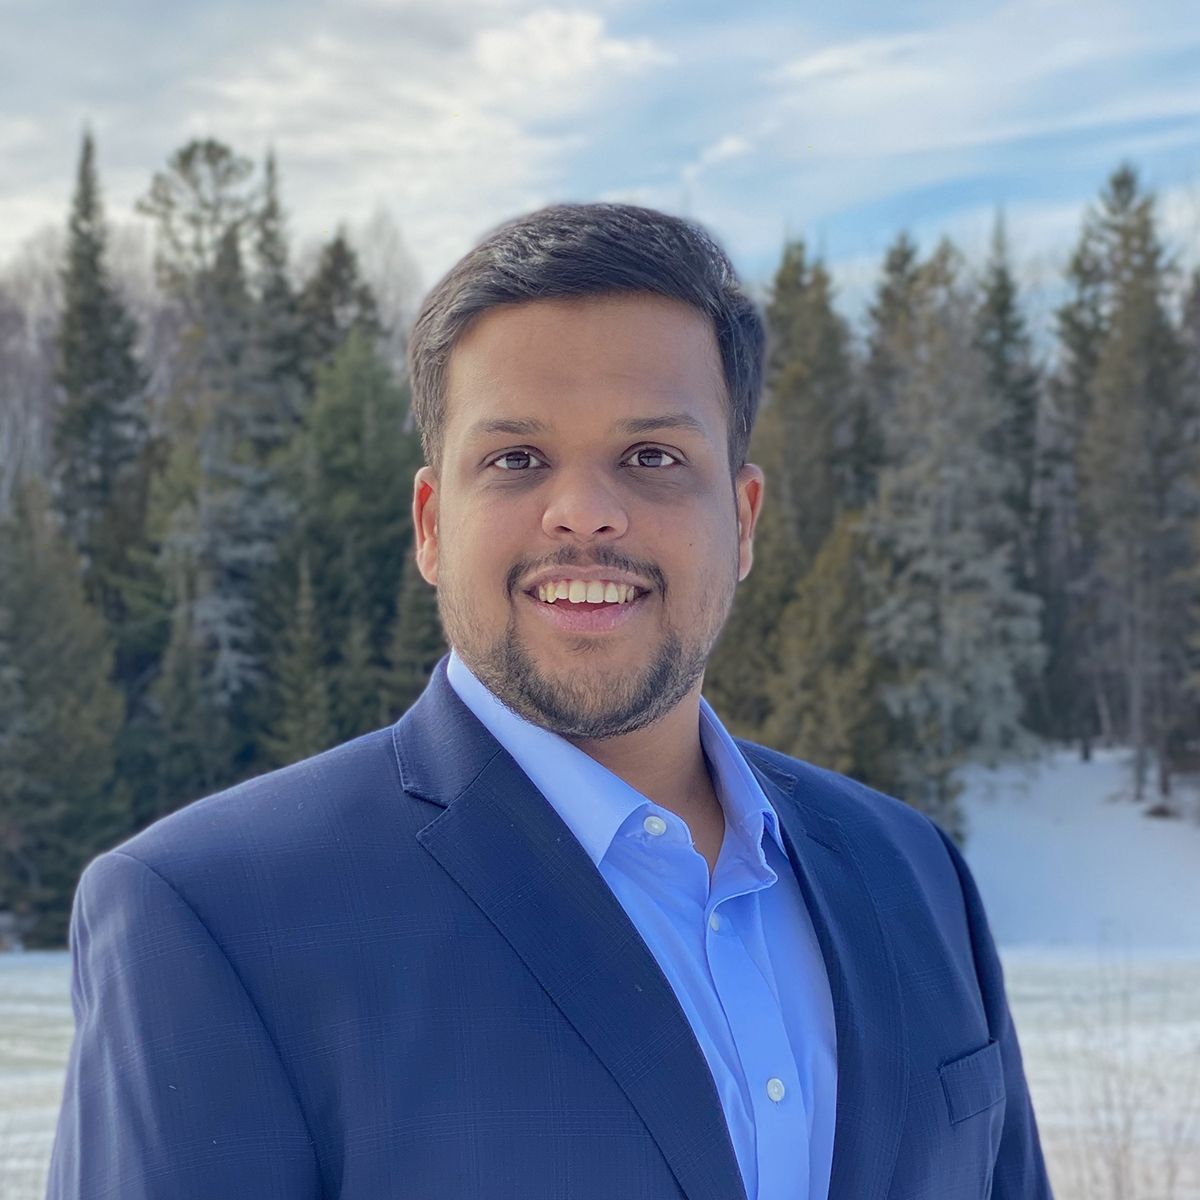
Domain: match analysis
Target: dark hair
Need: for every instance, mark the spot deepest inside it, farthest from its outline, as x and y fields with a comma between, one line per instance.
x=589, y=250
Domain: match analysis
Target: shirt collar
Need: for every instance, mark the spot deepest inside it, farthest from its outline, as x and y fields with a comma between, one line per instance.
x=564, y=774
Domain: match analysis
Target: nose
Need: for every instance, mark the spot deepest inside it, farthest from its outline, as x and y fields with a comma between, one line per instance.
x=584, y=506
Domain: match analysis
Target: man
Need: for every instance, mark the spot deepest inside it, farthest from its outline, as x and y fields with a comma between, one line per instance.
x=554, y=933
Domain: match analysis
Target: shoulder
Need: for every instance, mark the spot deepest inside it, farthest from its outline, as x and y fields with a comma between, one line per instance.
x=879, y=829
x=293, y=812
x=906, y=860
x=838, y=796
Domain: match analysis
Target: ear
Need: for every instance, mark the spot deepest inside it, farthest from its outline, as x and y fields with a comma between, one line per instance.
x=425, y=528
x=749, y=489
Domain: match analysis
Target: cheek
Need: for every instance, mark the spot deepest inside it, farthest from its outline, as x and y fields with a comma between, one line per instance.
x=702, y=543
x=483, y=547
x=698, y=560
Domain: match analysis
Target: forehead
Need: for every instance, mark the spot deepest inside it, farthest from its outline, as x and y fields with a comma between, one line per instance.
x=570, y=363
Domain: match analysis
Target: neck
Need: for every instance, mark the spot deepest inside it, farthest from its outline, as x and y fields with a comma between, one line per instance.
x=665, y=761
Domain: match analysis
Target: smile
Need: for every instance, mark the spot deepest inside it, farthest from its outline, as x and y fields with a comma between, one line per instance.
x=586, y=618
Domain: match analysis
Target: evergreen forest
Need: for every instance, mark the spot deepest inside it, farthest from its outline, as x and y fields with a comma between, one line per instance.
x=978, y=536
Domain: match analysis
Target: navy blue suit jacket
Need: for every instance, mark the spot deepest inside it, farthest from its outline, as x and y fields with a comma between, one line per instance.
x=392, y=971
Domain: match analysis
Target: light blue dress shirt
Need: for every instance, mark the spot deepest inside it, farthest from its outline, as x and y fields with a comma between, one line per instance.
x=740, y=953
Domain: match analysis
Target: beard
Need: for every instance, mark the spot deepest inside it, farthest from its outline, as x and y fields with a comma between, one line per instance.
x=582, y=702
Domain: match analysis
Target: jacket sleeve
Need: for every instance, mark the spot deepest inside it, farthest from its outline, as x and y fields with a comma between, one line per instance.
x=174, y=1088
x=1020, y=1172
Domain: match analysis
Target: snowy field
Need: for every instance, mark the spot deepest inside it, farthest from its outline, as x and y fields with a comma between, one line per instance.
x=1096, y=910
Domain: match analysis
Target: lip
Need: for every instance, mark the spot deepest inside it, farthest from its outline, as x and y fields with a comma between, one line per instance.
x=600, y=620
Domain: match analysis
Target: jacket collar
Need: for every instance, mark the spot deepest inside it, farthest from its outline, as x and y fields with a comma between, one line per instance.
x=512, y=854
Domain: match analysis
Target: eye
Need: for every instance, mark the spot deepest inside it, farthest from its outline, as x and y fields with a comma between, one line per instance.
x=653, y=450
x=514, y=454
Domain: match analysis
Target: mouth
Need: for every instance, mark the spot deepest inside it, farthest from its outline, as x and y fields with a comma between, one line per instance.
x=587, y=618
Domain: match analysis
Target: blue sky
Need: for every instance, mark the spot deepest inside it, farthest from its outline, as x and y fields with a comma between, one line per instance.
x=842, y=124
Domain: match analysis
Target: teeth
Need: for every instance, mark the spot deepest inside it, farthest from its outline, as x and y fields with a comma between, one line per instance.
x=579, y=591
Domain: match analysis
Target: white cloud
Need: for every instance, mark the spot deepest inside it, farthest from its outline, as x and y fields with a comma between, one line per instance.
x=556, y=49
x=854, y=58
x=729, y=147
x=17, y=134
x=26, y=212
x=450, y=142
x=454, y=116
x=995, y=76
x=1178, y=209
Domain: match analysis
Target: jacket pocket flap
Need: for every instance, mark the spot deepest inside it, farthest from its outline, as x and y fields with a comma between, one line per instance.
x=973, y=1082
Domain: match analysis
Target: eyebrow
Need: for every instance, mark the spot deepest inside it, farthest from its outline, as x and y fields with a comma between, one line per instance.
x=632, y=425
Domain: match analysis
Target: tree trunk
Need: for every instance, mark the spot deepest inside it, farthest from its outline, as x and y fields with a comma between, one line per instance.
x=1103, y=709
x=1137, y=693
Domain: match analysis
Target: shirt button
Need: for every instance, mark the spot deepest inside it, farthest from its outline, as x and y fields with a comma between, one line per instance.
x=655, y=825
x=775, y=1089
x=714, y=922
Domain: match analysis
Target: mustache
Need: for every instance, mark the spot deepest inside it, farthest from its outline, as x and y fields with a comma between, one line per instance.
x=615, y=562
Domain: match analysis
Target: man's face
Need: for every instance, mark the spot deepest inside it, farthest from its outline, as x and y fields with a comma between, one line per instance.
x=577, y=488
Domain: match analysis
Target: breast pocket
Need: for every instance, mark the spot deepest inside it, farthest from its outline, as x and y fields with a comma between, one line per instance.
x=973, y=1082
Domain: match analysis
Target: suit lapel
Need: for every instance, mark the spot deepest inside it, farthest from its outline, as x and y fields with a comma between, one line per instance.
x=511, y=853
x=872, y=1051
x=508, y=849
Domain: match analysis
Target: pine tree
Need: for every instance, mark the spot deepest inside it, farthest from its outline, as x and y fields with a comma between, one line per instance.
x=186, y=732
x=279, y=310
x=275, y=350
x=1182, y=739
x=1073, y=700
x=827, y=704
x=945, y=615
x=334, y=302
x=416, y=644
x=746, y=655
x=274, y=398
x=20, y=790
x=1135, y=463
x=799, y=440
x=232, y=411
x=205, y=192
x=100, y=432
x=357, y=490
x=806, y=419
x=1012, y=386
x=305, y=724
x=190, y=734
x=889, y=340
x=63, y=807
x=358, y=682
x=237, y=523
x=104, y=458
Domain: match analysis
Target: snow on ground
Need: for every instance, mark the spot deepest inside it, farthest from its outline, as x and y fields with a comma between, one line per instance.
x=36, y=1026
x=1065, y=860
x=1095, y=909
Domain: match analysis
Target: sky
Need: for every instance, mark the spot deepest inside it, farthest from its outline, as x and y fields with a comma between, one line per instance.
x=842, y=124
